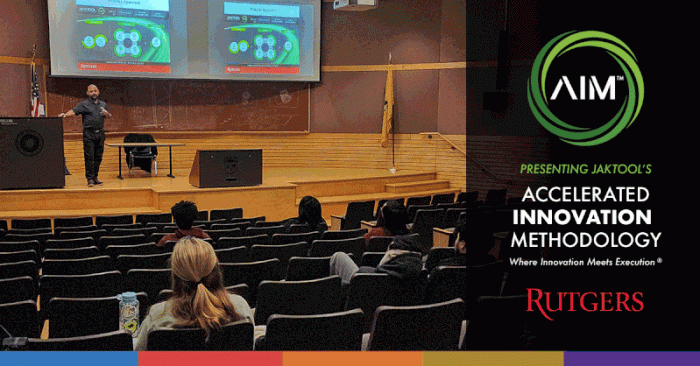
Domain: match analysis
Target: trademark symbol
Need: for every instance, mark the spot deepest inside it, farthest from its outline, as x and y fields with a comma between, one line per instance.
x=658, y=260
x=620, y=78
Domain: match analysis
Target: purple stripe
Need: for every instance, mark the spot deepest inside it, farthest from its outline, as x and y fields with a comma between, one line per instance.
x=574, y=358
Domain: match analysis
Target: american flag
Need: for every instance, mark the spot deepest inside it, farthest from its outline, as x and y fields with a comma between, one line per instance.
x=37, y=109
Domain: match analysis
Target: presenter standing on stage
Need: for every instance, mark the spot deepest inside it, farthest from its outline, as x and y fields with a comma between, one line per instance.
x=94, y=112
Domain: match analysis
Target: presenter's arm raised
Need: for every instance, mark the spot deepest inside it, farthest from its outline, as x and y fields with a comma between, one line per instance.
x=105, y=113
x=70, y=113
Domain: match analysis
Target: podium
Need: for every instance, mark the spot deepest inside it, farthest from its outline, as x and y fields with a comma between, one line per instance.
x=226, y=168
x=31, y=153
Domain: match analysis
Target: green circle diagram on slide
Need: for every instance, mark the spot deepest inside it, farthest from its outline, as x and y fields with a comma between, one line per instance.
x=285, y=56
x=159, y=54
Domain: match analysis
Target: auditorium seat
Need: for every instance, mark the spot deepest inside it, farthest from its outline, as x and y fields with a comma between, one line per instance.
x=59, y=229
x=269, y=231
x=423, y=225
x=20, y=269
x=371, y=259
x=253, y=220
x=241, y=290
x=442, y=198
x=339, y=331
x=467, y=196
x=17, y=289
x=228, y=233
x=451, y=216
x=125, y=262
x=138, y=249
x=325, y=248
x=269, y=223
x=227, y=214
x=235, y=336
x=422, y=200
x=150, y=281
x=343, y=234
x=355, y=213
x=17, y=245
x=239, y=254
x=247, y=241
x=114, y=341
x=106, y=241
x=103, y=284
x=18, y=256
x=95, y=234
x=161, y=217
x=20, y=319
x=40, y=230
x=367, y=291
x=77, y=266
x=433, y=327
x=280, y=239
x=379, y=243
x=146, y=231
x=413, y=209
x=495, y=197
x=74, y=317
x=72, y=221
x=435, y=255
x=71, y=253
x=229, y=226
x=202, y=215
x=111, y=227
x=39, y=237
x=317, y=296
x=307, y=268
x=251, y=274
x=208, y=223
x=298, y=229
x=281, y=252
x=31, y=223
x=101, y=220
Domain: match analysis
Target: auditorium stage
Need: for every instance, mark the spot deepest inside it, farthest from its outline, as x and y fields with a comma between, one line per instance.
x=276, y=198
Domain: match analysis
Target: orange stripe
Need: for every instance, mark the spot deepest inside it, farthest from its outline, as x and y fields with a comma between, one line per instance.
x=154, y=358
x=353, y=358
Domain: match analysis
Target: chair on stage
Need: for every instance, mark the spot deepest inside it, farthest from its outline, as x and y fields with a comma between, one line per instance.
x=141, y=156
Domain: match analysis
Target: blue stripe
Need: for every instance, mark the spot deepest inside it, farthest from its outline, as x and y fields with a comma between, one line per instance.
x=69, y=358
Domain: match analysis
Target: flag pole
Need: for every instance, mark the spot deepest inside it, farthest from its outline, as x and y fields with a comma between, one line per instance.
x=393, y=122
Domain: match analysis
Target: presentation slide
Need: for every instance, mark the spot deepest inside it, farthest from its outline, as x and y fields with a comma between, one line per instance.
x=178, y=39
x=123, y=35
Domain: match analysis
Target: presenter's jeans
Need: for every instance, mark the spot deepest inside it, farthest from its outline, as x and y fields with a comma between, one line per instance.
x=93, y=147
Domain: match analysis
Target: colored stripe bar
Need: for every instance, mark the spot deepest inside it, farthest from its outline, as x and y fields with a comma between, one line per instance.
x=248, y=358
x=69, y=358
x=577, y=358
x=353, y=358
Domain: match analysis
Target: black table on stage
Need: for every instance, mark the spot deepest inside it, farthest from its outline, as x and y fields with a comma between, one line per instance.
x=119, y=146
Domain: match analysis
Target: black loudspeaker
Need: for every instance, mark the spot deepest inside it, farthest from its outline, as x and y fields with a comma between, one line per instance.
x=226, y=168
x=503, y=69
x=31, y=153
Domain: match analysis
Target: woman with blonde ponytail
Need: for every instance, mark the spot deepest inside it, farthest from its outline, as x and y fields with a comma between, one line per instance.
x=199, y=296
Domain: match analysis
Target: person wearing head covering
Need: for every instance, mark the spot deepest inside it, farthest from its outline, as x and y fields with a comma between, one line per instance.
x=199, y=297
x=309, y=215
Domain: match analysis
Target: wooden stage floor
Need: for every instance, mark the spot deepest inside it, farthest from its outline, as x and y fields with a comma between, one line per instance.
x=277, y=198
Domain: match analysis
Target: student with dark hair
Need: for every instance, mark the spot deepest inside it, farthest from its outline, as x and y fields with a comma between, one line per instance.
x=309, y=215
x=199, y=296
x=474, y=254
x=392, y=220
x=184, y=213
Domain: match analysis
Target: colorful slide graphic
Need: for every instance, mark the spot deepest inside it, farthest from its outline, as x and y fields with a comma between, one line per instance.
x=123, y=39
x=261, y=38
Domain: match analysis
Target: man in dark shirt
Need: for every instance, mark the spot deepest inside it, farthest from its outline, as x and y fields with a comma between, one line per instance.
x=184, y=213
x=94, y=112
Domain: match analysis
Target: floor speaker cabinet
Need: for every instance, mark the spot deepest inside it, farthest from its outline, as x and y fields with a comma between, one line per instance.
x=226, y=168
x=31, y=153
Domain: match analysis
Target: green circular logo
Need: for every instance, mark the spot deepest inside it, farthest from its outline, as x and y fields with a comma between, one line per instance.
x=581, y=136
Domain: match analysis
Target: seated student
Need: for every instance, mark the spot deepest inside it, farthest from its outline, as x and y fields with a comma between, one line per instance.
x=474, y=254
x=184, y=213
x=309, y=215
x=392, y=221
x=402, y=261
x=199, y=296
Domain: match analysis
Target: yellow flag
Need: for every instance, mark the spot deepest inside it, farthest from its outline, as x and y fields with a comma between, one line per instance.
x=388, y=118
